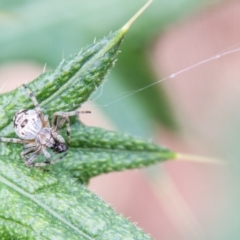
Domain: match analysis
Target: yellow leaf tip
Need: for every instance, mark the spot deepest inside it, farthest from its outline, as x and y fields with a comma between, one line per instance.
x=200, y=159
x=133, y=19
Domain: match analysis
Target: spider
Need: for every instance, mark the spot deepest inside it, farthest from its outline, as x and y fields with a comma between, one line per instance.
x=38, y=135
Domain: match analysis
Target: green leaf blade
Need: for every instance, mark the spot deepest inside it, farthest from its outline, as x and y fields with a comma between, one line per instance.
x=79, y=79
x=66, y=88
x=61, y=209
x=95, y=151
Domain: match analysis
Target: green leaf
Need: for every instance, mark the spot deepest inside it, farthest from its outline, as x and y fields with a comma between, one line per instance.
x=39, y=205
x=95, y=151
x=67, y=87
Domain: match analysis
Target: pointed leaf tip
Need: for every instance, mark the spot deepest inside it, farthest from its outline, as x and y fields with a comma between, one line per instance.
x=200, y=159
x=132, y=20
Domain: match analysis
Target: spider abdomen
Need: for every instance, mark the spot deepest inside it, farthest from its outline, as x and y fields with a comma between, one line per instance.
x=27, y=124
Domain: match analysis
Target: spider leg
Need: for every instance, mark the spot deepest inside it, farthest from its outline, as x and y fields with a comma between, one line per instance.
x=12, y=140
x=46, y=154
x=36, y=105
x=33, y=98
x=59, y=118
x=48, y=161
x=58, y=137
x=44, y=164
x=35, y=151
x=46, y=122
x=31, y=144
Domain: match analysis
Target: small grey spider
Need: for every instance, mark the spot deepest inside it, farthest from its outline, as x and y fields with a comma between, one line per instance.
x=37, y=135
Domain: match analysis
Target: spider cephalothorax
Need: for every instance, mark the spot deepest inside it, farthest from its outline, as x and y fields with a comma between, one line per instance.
x=38, y=135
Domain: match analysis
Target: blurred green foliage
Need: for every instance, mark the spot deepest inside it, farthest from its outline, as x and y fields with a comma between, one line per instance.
x=44, y=30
